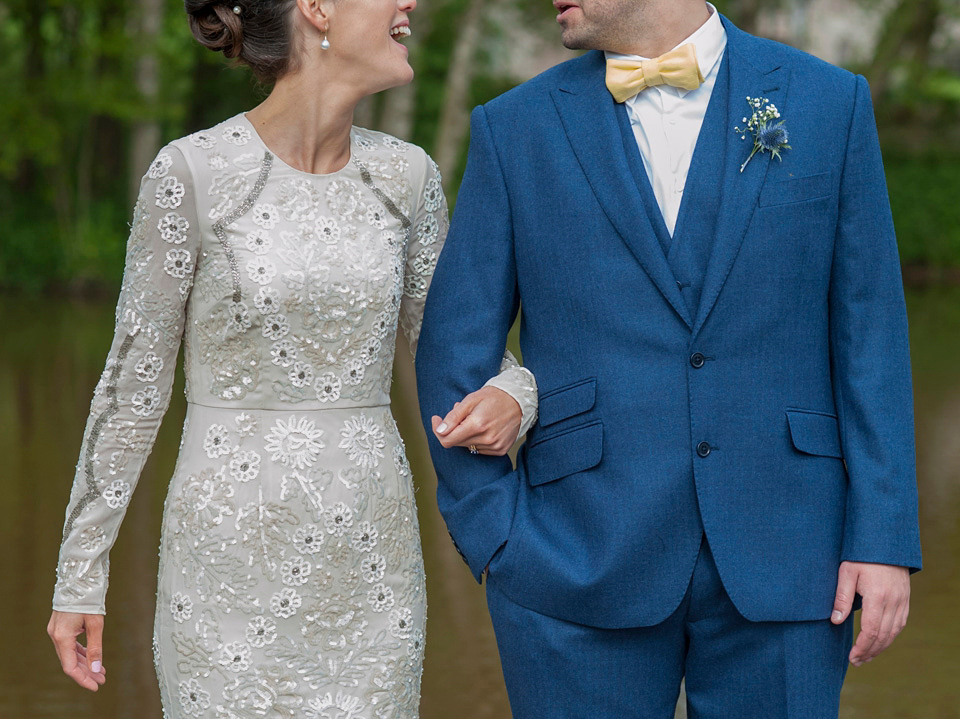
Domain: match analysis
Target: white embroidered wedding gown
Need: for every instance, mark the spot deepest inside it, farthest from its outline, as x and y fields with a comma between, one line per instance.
x=291, y=578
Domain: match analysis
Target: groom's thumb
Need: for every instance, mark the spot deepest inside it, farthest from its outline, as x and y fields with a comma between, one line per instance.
x=846, y=590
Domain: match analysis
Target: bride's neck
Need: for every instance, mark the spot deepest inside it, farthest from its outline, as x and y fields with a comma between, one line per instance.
x=307, y=126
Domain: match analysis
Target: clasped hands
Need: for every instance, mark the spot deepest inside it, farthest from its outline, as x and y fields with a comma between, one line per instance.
x=488, y=419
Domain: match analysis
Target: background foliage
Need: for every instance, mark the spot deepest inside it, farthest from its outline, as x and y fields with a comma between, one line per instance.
x=92, y=88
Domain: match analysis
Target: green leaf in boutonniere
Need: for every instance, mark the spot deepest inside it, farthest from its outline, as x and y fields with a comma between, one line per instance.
x=769, y=135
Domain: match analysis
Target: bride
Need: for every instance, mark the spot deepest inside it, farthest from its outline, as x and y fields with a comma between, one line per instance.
x=284, y=247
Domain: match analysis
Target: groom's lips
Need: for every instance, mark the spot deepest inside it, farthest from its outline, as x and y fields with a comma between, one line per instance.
x=564, y=9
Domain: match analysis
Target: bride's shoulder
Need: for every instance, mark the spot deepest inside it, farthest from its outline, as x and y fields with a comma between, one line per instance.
x=373, y=146
x=371, y=141
x=216, y=147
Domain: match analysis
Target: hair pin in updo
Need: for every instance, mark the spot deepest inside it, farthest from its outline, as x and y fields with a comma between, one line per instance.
x=237, y=9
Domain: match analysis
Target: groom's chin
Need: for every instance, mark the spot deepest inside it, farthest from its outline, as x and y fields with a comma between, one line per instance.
x=577, y=39
x=572, y=42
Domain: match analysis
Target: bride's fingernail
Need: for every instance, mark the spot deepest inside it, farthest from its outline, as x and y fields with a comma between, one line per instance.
x=96, y=667
x=442, y=428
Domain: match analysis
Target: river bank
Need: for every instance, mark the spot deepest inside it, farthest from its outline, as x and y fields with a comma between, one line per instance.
x=915, y=277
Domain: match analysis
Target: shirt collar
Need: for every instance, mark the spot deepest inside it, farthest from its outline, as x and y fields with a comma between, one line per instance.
x=710, y=40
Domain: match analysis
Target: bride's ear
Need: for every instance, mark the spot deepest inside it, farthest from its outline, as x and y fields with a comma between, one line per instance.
x=316, y=13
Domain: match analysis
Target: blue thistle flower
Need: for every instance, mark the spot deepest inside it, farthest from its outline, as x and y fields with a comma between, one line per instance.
x=773, y=138
x=768, y=138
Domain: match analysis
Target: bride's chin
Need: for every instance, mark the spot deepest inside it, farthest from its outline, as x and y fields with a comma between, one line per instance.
x=402, y=74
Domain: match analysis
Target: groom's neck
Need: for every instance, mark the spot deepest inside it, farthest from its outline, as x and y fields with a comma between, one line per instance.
x=661, y=25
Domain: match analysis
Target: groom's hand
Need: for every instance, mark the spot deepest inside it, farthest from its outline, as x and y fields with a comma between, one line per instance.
x=488, y=419
x=886, y=603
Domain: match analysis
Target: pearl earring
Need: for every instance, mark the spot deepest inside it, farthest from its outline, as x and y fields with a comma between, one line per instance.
x=325, y=45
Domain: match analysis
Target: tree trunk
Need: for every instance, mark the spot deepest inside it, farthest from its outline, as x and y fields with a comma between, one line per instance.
x=396, y=112
x=454, y=119
x=907, y=34
x=928, y=13
x=29, y=173
x=145, y=137
x=746, y=13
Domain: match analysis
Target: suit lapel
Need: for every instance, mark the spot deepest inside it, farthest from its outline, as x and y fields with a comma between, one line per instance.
x=588, y=114
x=750, y=76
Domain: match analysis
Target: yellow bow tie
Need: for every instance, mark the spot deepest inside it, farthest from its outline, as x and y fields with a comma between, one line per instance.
x=679, y=68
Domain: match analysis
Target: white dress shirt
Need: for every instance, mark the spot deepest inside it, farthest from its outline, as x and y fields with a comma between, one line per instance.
x=666, y=120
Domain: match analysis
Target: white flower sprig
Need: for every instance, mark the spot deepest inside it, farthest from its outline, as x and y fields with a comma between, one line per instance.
x=768, y=134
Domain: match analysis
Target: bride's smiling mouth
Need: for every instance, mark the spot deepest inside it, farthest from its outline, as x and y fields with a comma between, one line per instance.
x=400, y=32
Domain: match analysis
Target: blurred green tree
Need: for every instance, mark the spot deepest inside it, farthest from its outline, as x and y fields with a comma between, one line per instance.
x=92, y=88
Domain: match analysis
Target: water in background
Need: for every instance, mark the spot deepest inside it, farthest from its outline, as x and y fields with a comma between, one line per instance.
x=51, y=355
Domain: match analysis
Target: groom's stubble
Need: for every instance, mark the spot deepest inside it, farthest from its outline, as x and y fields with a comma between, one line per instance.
x=603, y=24
x=642, y=27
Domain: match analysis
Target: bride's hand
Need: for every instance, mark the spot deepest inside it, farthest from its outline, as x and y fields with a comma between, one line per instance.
x=488, y=419
x=82, y=664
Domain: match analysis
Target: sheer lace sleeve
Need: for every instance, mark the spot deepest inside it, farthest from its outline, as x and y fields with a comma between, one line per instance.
x=134, y=390
x=430, y=225
x=519, y=383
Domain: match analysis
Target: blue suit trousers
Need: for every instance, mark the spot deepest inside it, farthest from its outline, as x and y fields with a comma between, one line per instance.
x=734, y=668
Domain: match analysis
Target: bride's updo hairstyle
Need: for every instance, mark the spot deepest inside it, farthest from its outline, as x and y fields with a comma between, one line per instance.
x=257, y=33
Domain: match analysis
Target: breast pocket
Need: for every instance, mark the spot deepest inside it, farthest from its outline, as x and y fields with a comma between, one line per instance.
x=796, y=189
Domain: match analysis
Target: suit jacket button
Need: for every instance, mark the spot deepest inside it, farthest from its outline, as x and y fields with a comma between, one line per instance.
x=457, y=547
x=697, y=360
x=704, y=449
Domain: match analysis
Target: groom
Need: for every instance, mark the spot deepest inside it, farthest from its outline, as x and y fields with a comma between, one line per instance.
x=724, y=455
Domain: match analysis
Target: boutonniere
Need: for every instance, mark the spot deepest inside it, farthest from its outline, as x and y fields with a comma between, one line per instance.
x=769, y=135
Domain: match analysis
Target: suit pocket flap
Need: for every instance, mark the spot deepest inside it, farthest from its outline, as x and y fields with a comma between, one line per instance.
x=568, y=401
x=815, y=433
x=574, y=450
x=797, y=189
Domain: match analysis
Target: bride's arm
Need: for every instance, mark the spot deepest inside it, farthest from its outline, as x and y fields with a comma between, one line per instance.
x=495, y=416
x=128, y=404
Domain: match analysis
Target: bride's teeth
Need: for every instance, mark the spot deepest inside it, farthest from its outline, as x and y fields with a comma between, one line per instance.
x=402, y=30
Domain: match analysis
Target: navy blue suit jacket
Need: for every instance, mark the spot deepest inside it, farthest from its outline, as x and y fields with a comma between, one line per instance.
x=776, y=418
